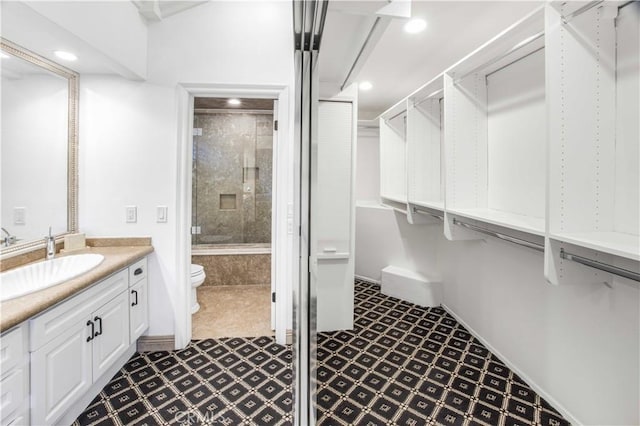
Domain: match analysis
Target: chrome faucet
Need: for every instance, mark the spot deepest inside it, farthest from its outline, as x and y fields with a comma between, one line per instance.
x=7, y=239
x=50, y=241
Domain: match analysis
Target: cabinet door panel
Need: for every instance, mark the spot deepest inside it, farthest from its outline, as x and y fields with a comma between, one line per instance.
x=112, y=327
x=60, y=374
x=138, y=309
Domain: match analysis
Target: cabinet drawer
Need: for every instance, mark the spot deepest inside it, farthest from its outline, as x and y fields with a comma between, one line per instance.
x=57, y=320
x=12, y=348
x=138, y=271
x=13, y=391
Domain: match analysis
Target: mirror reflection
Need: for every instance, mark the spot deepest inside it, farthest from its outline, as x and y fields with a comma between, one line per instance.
x=34, y=149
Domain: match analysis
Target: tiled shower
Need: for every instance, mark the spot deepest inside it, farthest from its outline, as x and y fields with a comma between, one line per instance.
x=232, y=168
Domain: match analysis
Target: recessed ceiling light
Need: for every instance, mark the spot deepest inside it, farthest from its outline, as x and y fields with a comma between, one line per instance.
x=4, y=55
x=415, y=25
x=66, y=56
x=365, y=85
x=234, y=101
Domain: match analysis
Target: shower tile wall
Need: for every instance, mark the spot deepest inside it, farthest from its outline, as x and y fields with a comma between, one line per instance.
x=232, y=158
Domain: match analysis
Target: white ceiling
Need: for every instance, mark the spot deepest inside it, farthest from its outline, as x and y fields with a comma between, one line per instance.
x=157, y=10
x=400, y=62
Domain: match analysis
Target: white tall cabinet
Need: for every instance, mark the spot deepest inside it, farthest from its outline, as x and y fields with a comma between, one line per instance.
x=333, y=211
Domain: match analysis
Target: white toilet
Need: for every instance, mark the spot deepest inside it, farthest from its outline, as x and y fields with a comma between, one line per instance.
x=197, y=278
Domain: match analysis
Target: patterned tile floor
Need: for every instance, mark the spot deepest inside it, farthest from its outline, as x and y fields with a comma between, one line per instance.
x=237, y=381
x=408, y=365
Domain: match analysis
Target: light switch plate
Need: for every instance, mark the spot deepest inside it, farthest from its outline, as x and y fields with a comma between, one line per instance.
x=19, y=215
x=131, y=214
x=161, y=214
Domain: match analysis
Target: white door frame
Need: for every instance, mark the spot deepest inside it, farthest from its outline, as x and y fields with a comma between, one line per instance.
x=282, y=236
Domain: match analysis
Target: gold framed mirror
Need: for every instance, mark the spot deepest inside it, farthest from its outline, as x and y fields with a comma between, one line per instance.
x=39, y=149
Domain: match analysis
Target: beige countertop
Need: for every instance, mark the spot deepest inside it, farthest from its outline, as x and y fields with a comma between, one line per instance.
x=15, y=311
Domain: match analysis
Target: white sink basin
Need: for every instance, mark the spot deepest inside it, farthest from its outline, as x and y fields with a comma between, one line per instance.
x=38, y=276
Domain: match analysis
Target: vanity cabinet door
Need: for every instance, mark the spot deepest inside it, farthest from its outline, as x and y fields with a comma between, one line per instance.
x=111, y=337
x=138, y=309
x=60, y=373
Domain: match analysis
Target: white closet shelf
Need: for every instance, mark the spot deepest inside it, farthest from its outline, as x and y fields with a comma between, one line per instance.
x=395, y=198
x=529, y=224
x=616, y=243
x=434, y=205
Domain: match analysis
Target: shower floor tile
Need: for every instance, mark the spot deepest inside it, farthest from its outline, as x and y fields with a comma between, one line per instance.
x=232, y=311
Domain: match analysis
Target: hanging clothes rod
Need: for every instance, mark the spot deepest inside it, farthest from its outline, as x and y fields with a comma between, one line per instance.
x=515, y=48
x=601, y=266
x=427, y=212
x=514, y=240
x=429, y=96
x=583, y=9
x=404, y=111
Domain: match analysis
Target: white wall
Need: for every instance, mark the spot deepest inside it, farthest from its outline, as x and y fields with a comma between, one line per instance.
x=129, y=135
x=384, y=237
x=127, y=150
x=367, y=164
x=114, y=28
x=579, y=344
x=34, y=154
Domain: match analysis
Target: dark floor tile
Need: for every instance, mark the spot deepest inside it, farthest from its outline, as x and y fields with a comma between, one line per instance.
x=450, y=417
x=418, y=365
x=195, y=386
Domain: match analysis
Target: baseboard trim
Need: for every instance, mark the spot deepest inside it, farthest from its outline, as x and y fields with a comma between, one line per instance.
x=156, y=343
x=362, y=277
x=565, y=413
x=288, y=339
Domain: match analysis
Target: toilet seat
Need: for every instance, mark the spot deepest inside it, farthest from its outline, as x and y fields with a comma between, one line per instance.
x=196, y=270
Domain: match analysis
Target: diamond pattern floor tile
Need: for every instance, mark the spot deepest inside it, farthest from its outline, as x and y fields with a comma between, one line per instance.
x=406, y=365
x=239, y=381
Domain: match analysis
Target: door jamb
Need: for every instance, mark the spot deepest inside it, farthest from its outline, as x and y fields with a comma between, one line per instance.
x=281, y=264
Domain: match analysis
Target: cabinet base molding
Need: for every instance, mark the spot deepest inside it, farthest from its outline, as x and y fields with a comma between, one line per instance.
x=78, y=408
x=156, y=343
x=288, y=338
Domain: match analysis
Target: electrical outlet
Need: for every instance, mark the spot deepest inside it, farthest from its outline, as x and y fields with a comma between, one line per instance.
x=131, y=214
x=161, y=214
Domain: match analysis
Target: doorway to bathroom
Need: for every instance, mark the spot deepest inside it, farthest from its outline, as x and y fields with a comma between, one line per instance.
x=231, y=217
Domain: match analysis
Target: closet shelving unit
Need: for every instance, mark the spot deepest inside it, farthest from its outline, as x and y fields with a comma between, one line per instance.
x=538, y=142
x=594, y=133
x=495, y=133
x=393, y=160
x=425, y=183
